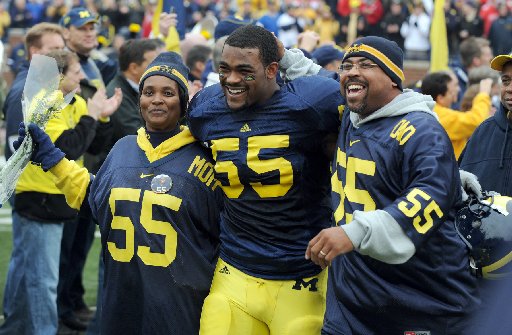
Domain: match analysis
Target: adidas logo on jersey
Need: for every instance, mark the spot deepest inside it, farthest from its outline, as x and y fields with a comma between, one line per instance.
x=224, y=270
x=245, y=128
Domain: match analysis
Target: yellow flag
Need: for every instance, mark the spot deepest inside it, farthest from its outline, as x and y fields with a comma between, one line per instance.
x=156, y=18
x=438, y=39
x=162, y=6
x=172, y=41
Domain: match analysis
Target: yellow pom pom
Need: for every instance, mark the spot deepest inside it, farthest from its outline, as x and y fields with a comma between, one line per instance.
x=206, y=34
x=134, y=28
x=102, y=40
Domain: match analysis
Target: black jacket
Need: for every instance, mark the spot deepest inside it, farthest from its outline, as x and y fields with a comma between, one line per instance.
x=126, y=120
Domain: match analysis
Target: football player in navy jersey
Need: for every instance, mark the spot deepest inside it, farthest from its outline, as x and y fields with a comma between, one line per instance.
x=157, y=205
x=397, y=263
x=268, y=142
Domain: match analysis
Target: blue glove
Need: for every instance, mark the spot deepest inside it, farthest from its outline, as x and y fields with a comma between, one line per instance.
x=44, y=152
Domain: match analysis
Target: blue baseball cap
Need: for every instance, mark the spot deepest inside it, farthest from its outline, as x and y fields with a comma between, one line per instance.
x=78, y=17
x=326, y=54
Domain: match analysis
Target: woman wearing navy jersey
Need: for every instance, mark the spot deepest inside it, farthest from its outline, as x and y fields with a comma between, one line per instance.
x=157, y=205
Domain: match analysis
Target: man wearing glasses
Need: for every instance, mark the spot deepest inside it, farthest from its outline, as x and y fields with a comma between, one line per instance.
x=397, y=265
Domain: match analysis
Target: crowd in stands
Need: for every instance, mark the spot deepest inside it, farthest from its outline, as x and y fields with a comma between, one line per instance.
x=406, y=22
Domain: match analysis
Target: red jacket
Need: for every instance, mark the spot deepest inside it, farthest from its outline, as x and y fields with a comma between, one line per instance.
x=373, y=11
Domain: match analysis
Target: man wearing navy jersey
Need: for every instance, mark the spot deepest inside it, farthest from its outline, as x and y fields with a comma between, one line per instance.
x=268, y=142
x=398, y=265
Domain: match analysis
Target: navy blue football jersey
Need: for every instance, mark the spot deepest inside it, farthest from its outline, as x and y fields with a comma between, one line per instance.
x=158, y=212
x=405, y=166
x=270, y=161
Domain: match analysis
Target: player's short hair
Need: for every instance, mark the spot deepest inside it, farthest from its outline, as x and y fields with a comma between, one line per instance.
x=132, y=51
x=63, y=59
x=256, y=37
x=471, y=48
x=435, y=84
x=35, y=34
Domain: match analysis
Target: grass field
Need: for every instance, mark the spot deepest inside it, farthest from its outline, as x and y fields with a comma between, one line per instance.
x=90, y=278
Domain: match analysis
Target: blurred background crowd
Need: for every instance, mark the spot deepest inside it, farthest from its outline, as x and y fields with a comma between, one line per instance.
x=338, y=22
x=466, y=94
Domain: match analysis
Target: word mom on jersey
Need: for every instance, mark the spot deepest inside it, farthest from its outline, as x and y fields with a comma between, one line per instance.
x=204, y=171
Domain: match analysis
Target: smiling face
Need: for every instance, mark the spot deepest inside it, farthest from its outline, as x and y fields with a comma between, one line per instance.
x=366, y=89
x=244, y=78
x=82, y=39
x=160, y=103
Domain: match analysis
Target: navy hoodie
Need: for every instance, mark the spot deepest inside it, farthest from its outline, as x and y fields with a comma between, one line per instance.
x=488, y=154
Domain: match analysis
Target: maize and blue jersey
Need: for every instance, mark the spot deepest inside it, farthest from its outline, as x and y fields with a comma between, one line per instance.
x=405, y=166
x=274, y=173
x=159, y=235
